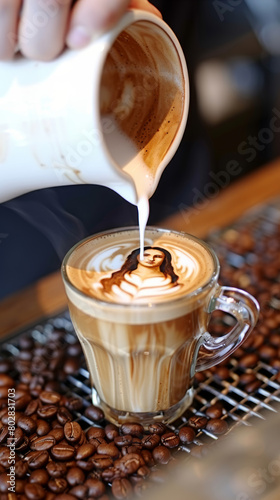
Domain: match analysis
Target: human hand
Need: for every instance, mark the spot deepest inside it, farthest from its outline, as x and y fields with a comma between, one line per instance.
x=42, y=28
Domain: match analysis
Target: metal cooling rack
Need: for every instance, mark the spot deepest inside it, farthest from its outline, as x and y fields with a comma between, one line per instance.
x=240, y=408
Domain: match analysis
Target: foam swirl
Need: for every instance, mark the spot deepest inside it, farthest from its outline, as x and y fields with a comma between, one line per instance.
x=103, y=267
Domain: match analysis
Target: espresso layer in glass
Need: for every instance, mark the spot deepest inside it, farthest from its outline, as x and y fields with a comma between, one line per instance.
x=140, y=367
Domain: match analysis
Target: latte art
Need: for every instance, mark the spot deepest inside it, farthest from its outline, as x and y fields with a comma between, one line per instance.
x=109, y=267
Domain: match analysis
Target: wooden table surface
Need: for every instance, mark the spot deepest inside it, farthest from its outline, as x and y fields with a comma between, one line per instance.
x=47, y=296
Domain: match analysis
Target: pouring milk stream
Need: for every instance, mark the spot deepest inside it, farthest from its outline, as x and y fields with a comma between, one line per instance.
x=111, y=114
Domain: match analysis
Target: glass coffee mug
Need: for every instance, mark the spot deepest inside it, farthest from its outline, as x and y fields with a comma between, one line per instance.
x=143, y=324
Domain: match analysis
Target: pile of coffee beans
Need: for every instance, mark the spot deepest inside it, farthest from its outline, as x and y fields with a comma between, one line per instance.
x=57, y=454
x=54, y=444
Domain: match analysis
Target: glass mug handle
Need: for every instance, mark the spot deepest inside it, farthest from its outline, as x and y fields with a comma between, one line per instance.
x=245, y=309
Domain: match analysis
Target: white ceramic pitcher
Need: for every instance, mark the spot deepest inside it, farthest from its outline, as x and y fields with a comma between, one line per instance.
x=110, y=114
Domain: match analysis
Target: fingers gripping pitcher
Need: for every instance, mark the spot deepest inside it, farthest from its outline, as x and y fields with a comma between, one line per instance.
x=111, y=114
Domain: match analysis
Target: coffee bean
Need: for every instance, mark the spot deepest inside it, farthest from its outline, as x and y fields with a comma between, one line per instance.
x=57, y=484
x=247, y=378
x=6, y=417
x=161, y=454
x=74, y=404
x=4, y=433
x=249, y=361
x=94, y=413
x=148, y=458
x=43, y=427
x=37, y=459
x=21, y=468
x=47, y=412
x=197, y=422
x=75, y=476
x=72, y=431
x=43, y=443
x=108, y=475
x=39, y=476
x=95, y=487
x=275, y=363
x=101, y=461
x=221, y=373
x=63, y=415
x=130, y=463
x=4, y=456
x=111, y=431
x=186, y=434
x=50, y=397
x=27, y=424
x=63, y=452
x=214, y=411
x=130, y=449
x=151, y=441
x=74, y=349
x=79, y=491
x=34, y=491
x=24, y=444
x=267, y=352
x=170, y=440
x=121, y=441
x=217, y=426
x=4, y=478
x=71, y=366
x=85, y=465
x=199, y=378
x=134, y=429
x=4, y=392
x=274, y=339
x=85, y=451
x=22, y=402
x=96, y=432
x=108, y=449
x=121, y=488
x=56, y=469
x=253, y=386
x=32, y=407
x=157, y=428
x=6, y=380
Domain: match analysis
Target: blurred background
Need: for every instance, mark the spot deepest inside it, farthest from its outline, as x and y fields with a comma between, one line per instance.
x=232, y=48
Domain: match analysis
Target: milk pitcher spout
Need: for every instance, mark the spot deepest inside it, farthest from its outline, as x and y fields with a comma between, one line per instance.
x=111, y=114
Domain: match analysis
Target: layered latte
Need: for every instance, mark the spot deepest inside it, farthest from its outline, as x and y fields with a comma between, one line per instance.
x=140, y=320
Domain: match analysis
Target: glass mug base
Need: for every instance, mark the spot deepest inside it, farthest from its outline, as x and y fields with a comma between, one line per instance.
x=119, y=417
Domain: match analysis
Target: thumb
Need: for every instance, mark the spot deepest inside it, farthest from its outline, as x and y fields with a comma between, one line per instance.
x=90, y=18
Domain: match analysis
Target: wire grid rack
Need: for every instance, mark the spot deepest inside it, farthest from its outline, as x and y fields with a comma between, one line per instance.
x=240, y=408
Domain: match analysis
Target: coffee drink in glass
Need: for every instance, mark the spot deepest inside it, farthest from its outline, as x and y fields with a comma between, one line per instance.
x=143, y=323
